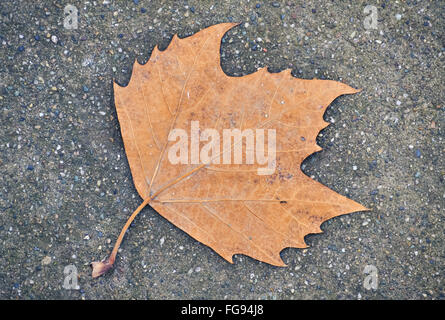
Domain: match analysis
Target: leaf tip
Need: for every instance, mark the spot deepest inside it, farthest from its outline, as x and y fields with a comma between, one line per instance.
x=154, y=53
x=280, y=263
x=363, y=208
x=226, y=26
x=354, y=91
x=218, y=30
x=100, y=268
x=233, y=24
x=357, y=207
x=351, y=90
x=287, y=72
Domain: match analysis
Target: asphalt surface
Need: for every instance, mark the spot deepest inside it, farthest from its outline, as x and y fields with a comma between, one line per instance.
x=65, y=183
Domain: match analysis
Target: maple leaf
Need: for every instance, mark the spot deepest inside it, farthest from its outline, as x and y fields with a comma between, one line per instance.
x=232, y=208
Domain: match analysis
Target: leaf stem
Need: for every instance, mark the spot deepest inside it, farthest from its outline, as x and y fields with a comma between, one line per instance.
x=99, y=268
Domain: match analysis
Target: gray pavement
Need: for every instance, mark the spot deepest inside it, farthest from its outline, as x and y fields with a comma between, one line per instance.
x=66, y=188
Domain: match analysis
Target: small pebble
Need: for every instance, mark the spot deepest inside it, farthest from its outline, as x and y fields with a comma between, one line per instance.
x=46, y=260
x=418, y=153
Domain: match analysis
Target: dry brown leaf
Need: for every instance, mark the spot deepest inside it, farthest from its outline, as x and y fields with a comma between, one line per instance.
x=228, y=207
